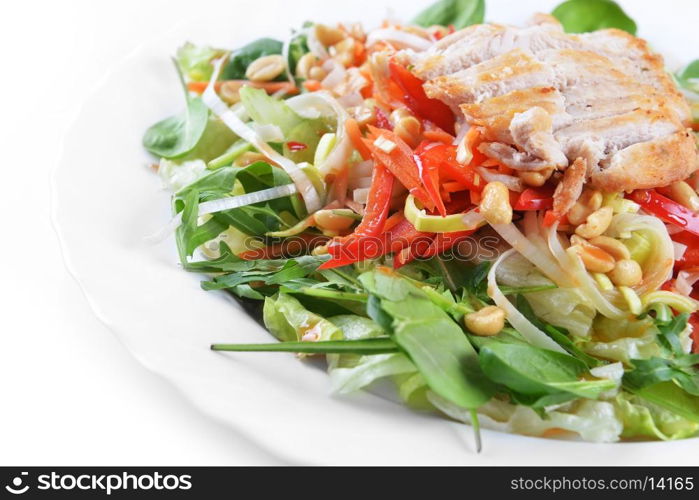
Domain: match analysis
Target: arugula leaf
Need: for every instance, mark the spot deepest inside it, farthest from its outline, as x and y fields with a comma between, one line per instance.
x=540, y=376
x=669, y=333
x=581, y=16
x=651, y=371
x=269, y=272
x=254, y=220
x=458, y=13
x=189, y=234
x=240, y=59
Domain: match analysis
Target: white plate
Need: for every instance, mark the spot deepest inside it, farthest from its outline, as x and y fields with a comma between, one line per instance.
x=106, y=201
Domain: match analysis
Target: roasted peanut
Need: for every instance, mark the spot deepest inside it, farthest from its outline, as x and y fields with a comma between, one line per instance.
x=486, y=322
x=597, y=223
x=330, y=221
x=537, y=178
x=612, y=246
x=304, y=65
x=595, y=259
x=409, y=129
x=589, y=201
x=316, y=73
x=229, y=92
x=682, y=193
x=328, y=36
x=265, y=68
x=343, y=52
x=495, y=203
x=626, y=272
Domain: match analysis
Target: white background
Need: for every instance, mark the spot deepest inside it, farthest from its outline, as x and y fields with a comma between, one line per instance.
x=71, y=394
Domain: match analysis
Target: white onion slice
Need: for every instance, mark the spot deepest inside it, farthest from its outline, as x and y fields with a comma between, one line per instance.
x=401, y=38
x=512, y=183
x=679, y=250
x=314, y=45
x=360, y=195
x=298, y=176
x=525, y=327
x=322, y=100
x=269, y=132
x=589, y=288
x=219, y=205
x=685, y=282
x=351, y=100
x=336, y=74
x=543, y=261
x=473, y=219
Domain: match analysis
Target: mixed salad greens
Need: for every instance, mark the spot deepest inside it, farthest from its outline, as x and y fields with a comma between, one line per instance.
x=313, y=177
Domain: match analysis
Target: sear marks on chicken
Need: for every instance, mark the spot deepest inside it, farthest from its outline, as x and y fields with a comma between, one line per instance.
x=544, y=98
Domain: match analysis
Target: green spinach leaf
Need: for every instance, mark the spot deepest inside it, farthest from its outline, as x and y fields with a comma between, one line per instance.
x=431, y=339
x=458, y=13
x=241, y=58
x=541, y=376
x=176, y=136
x=581, y=16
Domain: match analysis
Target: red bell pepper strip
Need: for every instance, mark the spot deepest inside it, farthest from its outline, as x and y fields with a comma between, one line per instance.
x=371, y=225
x=690, y=258
x=294, y=245
x=401, y=162
x=540, y=198
x=443, y=157
x=694, y=321
x=550, y=218
x=414, y=97
x=667, y=210
x=445, y=241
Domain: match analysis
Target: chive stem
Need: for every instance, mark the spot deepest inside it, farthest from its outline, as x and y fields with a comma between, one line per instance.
x=361, y=347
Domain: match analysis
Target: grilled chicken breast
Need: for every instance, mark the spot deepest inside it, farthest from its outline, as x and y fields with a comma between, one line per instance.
x=545, y=99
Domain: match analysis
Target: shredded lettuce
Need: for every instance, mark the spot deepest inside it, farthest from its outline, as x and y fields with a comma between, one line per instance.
x=349, y=373
x=623, y=340
x=642, y=418
x=594, y=421
x=563, y=307
x=288, y=320
x=194, y=61
x=176, y=176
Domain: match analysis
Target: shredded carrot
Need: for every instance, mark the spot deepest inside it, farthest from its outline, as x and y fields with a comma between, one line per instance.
x=353, y=132
x=359, y=53
x=393, y=220
x=438, y=135
x=312, y=85
x=339, y=187
x=454, y=186
x=269, y=87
